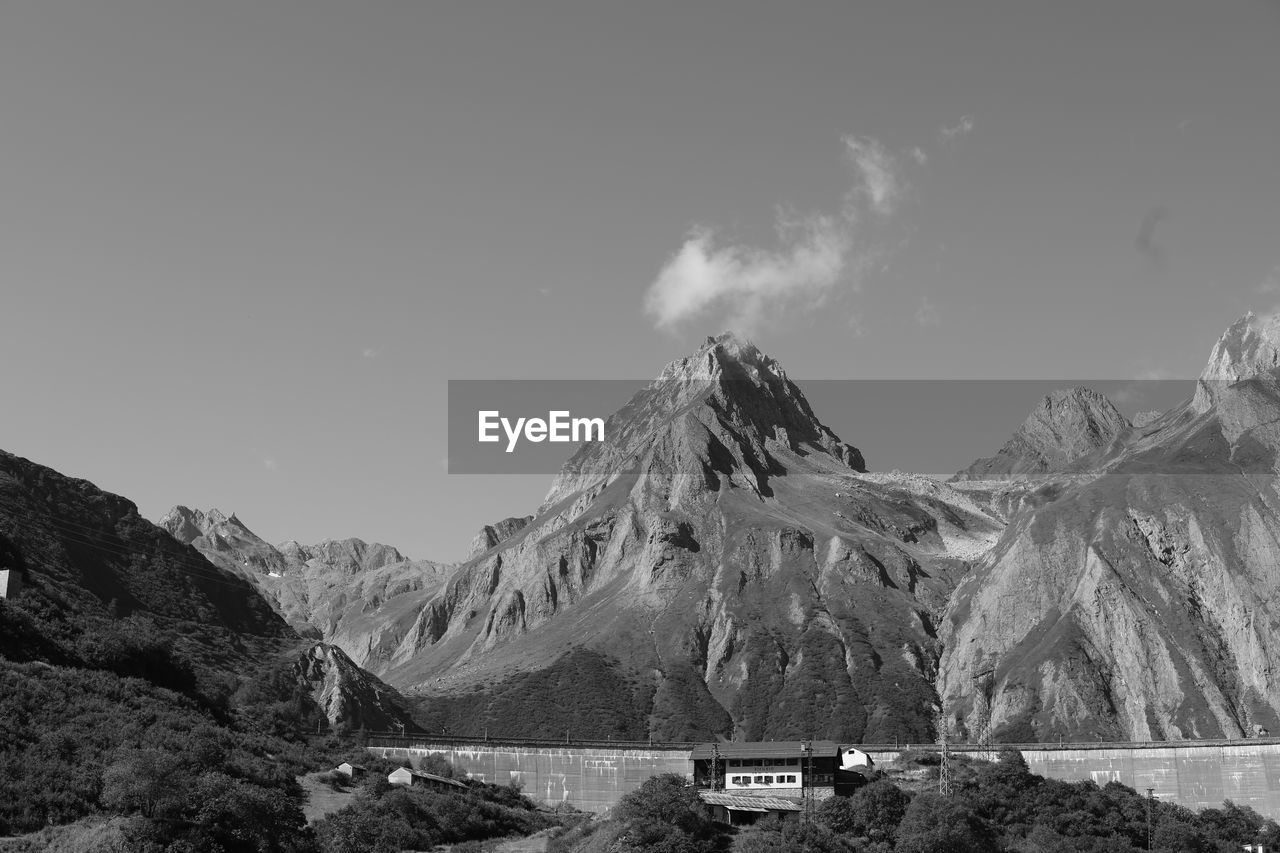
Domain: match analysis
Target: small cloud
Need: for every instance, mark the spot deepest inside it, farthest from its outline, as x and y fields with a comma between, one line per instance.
x=958, y=129
x=1146, y=239
x=270, y=464
x=816, y=254
x=368, y=352
x=877, y=171
x=919, y=156
x=927, y=314
x=544, y=291
x=857, y=325
x=704, y=273
x=1270, y=285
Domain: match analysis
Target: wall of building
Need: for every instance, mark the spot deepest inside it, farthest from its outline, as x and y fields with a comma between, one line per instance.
x=593, y=778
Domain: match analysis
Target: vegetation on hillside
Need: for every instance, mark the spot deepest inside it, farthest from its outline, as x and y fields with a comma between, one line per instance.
x=998, y=806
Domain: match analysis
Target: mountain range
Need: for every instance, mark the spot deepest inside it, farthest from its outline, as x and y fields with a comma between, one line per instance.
x=724, y=565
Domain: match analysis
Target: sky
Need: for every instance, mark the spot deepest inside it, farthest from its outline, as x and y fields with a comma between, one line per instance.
x=245, y=245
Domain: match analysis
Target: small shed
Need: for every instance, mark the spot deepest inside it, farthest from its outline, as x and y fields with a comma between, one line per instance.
x=10, y=582
x=351, y=771
x=740, y=809
x=412, y=778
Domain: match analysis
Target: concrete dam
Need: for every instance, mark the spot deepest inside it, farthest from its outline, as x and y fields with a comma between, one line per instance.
x=594, y=776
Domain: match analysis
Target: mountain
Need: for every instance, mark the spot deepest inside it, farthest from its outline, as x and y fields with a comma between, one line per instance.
x=324, y=591
x=1137, y=598
x=720, y=564
x=491, y=534
x=1067, y=425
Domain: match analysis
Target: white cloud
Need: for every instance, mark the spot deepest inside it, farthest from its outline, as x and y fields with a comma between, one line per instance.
x=270, y=464
x=703, y=274
x=960, y=128
x=927, y=313
x=877, y=171
x=816, y=254
x=369, y=352
x=919, y=156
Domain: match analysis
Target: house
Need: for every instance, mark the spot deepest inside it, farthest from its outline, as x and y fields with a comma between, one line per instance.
x=351, y=771
x=10, y=582
x=413, y=778
x=854, y=760
x=787, y=769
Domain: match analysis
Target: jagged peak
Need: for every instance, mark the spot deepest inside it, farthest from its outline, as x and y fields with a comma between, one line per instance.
x=722, y=356
x=1249, y=346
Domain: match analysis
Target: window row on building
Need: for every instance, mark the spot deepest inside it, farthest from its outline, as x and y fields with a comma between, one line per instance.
x=789, y=779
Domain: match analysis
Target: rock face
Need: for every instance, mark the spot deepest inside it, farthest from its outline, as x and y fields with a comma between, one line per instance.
x=1137, y=598
x=1066, y=426
x=491, y=534
x=350, y=697
x=720, y=562
x=325, y=591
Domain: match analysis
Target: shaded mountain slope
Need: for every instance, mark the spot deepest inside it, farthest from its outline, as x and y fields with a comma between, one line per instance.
x=1137, y=600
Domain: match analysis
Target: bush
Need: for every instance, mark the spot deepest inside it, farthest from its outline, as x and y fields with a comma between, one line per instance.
x=937, y=824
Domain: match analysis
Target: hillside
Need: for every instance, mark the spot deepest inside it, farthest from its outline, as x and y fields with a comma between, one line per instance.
x=126, y=654
x=1137, y=598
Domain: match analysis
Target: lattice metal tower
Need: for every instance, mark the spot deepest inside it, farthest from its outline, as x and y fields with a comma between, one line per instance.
x=944, y=768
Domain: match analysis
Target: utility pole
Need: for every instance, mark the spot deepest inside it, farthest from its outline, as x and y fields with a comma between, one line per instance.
x=806, y=778
x=715, y=767
x=944, y=768
x=1150, y=805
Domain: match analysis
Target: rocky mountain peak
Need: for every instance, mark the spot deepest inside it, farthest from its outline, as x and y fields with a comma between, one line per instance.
x=727, y=399
x=1066, y=424
x=724, y=356
x=1249, y=347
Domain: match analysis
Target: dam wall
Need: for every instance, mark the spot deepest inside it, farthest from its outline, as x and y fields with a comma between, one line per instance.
x=594, y=776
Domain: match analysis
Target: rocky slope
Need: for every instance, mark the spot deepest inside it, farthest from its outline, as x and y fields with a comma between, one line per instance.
x=719, y=563
x=350, y=697
x=1067, y=425
x=325, y=591
x=107, y=583
x=1137, y=598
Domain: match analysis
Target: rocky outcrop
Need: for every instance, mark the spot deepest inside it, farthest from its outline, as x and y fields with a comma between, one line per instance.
x=325, y=591
x=1066, y=426
x=1136, y=599
x=491, y=534
x=350, y=697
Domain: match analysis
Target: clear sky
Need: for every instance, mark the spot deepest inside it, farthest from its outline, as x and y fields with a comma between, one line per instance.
x=244, y=245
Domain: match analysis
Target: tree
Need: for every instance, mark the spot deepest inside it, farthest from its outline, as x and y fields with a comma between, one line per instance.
x=873, y=812
x=143, y=781
x=791, y=836
x=667, y=799
x=937, y=824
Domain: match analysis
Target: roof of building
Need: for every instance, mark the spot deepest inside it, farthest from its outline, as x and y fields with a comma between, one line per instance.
x=765, y=749
x=422, y=774
x=748, y=803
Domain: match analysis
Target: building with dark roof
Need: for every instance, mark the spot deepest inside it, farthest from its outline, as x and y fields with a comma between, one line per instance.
x=780, y=769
